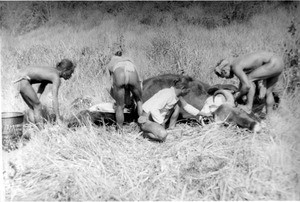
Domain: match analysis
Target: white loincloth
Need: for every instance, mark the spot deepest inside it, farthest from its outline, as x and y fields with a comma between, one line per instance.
x=127, y=66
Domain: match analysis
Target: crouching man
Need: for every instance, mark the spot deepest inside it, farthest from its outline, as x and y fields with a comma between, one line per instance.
x=259, y=68
x=161, y=107
x=43, y=76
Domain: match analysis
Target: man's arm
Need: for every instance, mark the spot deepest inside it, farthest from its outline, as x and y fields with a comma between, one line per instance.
x=245, y=83
x=56, y=85
x=262, y=89
x=41, y=89
x=190, y=109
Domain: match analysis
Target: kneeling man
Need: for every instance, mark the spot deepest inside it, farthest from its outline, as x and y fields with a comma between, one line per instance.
x=160, y=107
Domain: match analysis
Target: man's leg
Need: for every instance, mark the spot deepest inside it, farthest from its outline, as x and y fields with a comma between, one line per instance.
x=30, y=116
x=37, y=110
x=30, y=97
x=174, y=116
x=270, y=72
x=128, y=98
x=154, y=130
x=271, y=82
x=250, y=98
x=119, y=94
x=136, y=91
x=264, y=72
x=137, y=95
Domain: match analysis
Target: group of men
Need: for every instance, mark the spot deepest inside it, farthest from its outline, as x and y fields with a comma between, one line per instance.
x=259, y=68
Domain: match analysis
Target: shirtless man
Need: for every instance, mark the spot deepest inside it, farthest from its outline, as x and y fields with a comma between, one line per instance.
x=264, y=67
x=125, y=80
x=43, y=76
x=159, y=108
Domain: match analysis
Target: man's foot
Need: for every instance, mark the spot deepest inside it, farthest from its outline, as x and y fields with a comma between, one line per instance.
x=257, y=128
x=262, y=94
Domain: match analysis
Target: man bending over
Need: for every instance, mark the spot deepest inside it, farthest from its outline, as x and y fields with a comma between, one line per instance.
x=264, y=67
x=43, y=76
x=125, y=81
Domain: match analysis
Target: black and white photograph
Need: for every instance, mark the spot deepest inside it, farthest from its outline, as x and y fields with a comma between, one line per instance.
x=150, y=100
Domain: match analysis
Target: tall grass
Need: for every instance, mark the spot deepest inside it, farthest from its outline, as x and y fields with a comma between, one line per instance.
x=195, y=163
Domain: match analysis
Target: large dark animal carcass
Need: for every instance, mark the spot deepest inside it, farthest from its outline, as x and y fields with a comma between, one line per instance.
x=202, y=94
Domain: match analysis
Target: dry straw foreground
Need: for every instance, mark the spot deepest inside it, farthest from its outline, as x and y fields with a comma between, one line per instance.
x=196, y=162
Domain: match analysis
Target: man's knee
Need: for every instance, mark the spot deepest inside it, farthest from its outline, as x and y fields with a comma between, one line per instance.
x=120, y=108
x=119, y=96
x=154, y=130
x=162, y=135
x=37, y=106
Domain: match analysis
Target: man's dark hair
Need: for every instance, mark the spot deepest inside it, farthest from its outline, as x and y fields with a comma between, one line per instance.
x=219, y=62
x=217, y=73
x=181, y=83
x=118, y=53
x=65, y=65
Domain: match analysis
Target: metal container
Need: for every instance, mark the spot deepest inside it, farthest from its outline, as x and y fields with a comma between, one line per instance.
x=12, y=129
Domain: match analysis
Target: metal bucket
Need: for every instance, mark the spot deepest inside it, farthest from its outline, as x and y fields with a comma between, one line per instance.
x=12, y=129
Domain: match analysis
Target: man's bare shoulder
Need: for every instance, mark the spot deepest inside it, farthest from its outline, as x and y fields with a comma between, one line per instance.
x=41, y=73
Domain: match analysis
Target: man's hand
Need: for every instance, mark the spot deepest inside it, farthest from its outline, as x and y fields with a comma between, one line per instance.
x=245, y=89
x=262, y=90
x=239, y=98
x=245, y=108
x=205, y=118
x=202, y=114
x=142, y=119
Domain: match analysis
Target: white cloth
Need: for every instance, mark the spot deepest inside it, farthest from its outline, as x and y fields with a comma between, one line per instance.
x=128, y=65
x=122, y=62
x=105, y=107
x=117, y=62
x=160, y=103
x=191, y=110
x=211, y=105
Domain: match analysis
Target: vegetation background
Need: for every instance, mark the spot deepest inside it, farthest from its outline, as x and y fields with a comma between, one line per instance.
x=195, y=163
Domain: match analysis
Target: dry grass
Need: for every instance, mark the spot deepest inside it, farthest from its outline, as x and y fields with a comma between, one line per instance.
x=209, y=163
x=195, y=163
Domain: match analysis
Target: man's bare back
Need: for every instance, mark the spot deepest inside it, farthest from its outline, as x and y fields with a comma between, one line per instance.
x=252, y=61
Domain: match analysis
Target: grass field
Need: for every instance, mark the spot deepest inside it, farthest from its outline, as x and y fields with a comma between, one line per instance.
x=209, y=162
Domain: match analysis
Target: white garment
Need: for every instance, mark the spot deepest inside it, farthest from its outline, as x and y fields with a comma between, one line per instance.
x=160, y=103
x=211, y=105
x=122, y=62
x=105, y=107
x=115, y=60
